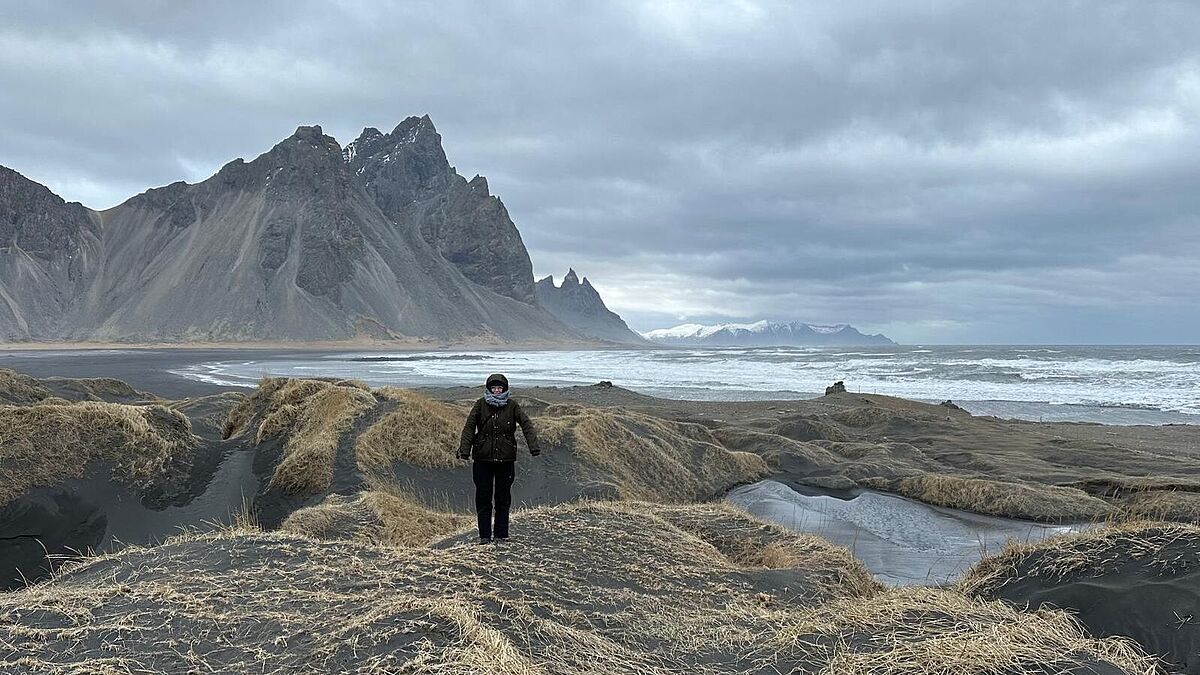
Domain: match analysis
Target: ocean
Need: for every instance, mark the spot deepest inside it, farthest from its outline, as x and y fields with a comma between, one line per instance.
x=1106, y=384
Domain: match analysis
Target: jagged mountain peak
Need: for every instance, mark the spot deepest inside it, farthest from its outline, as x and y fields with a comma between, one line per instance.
x=479, y=183
x=414, y=128
x=580, y=306
x=308, y=240
x=408, y=176
x=35, y=220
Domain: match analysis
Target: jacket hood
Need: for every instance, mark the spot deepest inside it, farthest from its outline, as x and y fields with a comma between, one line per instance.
x=496, y=377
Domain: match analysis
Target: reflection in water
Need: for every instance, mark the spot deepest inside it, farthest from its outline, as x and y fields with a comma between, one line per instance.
x=901, y=541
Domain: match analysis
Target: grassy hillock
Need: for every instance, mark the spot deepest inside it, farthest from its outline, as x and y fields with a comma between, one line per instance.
x=583, y=588
x=53, y=440
x=1136, y=579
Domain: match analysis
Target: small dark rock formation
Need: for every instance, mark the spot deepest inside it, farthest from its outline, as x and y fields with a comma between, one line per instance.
x=950, y=404
x=838, y=387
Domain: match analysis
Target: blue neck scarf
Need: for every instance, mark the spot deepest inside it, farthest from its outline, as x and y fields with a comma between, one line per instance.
x=496, y=400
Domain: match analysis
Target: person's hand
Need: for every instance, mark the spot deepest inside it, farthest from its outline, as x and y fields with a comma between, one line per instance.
x=462, y=456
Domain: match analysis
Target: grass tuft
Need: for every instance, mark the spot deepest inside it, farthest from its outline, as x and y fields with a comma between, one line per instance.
x=644, y=457
x=420, y=431
x=313, y=415
x=46, y=443
x=1012, y=500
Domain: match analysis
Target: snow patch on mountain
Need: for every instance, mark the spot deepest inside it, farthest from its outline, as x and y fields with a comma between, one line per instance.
x=762, y=333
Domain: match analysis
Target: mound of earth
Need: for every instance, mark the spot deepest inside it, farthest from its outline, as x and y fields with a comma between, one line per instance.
x=1025, y=501
x=318, y=437
x=90, y=464
x=374, y=517
x=1136, y=580
x=585, y=588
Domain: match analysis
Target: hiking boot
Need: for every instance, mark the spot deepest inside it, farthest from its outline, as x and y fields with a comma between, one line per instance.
x=483, y=541
x=501, y=541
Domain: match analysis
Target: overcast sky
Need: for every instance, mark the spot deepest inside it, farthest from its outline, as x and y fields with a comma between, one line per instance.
x=943, y=172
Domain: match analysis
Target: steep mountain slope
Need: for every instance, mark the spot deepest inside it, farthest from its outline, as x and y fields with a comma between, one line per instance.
x=48, y=248
x=579, y=306
x=408, y=176
x=290, y=246
x=762, y=334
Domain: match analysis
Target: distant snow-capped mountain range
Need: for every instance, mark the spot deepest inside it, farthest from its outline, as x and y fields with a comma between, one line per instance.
x=762, y=334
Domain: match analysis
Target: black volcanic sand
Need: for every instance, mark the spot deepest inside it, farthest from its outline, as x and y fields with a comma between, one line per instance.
x=143, y=368
x=49, y=524
x=1136, y=581
x=614, y=588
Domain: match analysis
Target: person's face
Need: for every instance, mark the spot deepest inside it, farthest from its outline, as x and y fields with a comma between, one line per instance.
x=497, y=389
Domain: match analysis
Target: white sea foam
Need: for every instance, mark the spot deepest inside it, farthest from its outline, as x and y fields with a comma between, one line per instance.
x=1129, y=379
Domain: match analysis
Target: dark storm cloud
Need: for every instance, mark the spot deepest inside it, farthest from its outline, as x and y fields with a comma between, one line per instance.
x=941, y=171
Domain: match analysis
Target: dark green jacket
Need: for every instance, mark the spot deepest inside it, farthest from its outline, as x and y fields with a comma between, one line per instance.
x=490, y=432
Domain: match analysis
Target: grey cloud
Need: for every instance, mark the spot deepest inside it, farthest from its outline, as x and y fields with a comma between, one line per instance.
x=959, y=171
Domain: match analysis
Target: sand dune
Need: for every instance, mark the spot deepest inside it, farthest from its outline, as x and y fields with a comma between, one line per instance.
x=615, y=588
x=1137, y=580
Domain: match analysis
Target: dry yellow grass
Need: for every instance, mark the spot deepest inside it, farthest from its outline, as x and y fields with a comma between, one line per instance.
x=584, y=588
x=1092, y=553
x=646, y=457
x=420, y=431
x=748, y=540
x=1013, y=500
x=1167, y=505
x=20, y=388
x=51, y=441
x=374, y=517
x=313, y=415
x=924, y=631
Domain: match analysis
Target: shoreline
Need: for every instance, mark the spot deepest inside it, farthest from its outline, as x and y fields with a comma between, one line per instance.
x=158, y=369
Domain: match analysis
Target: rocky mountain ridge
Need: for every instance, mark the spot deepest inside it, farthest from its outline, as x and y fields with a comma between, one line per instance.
x=310, y=241
x=580, y=306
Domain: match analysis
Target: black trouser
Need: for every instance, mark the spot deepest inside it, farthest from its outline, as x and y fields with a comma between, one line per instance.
x=493, y=478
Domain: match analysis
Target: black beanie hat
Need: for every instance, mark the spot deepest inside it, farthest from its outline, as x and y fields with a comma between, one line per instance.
x=496, y=378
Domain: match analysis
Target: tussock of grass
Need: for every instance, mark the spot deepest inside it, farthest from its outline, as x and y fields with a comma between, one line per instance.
x=374, y=517
x=48, y=442
x=313, y=414
x=1088, y=554
x=20, y=389
x=99, y=389
x=645, y=457
x=1013, y=500
x=864, y=416
x=923, y=631
x=750, y=541
x=420, y=431
x=583, y=588
x=1116, y=486
x=1166, y=505
x=890, y=460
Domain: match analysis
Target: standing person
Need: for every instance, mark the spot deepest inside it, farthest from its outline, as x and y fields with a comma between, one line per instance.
x=489, y=436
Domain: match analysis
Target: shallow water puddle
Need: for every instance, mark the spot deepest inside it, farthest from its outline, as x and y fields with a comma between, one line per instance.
x=901, y=541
